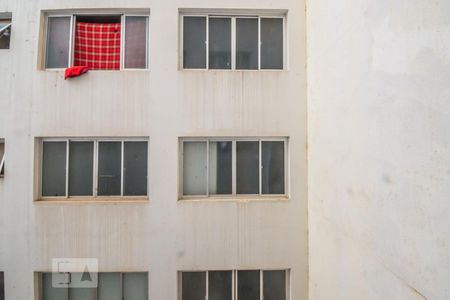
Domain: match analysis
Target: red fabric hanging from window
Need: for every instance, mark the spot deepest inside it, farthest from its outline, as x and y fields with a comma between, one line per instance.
x=97, y=46
x=75, y=71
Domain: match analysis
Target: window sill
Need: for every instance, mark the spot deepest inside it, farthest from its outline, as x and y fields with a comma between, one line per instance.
x=93, y=200
x=267, y=198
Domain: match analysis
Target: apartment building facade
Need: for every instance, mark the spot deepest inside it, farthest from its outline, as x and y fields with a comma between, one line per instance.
x=179, y=163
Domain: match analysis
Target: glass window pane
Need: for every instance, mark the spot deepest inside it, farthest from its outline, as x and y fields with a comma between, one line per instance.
x=274, y=285
x=51, y=293
x=135, y=42
x=5, y=40
x=81, y=156
x=82, y=294
x=109, y=286
x=194, y=168
x=273, y=167
x=194, y=42
x=219, y=43
x=109, y=165
x=58, y=37
x=5, y=34
x=135, y=168
x=248, y=285
x=85, y=281
x=193, y=286
x=135, y=286
x=54, y=169
x=246, y=43
x=247, y=167
x=220, y=285
x=271, y=43
x=220, y=174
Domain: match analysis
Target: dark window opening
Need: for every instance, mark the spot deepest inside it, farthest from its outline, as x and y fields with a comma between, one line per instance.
x=98, y=19
x=5, y=33
x=2, y=286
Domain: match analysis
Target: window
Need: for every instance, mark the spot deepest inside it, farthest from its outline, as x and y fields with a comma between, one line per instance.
x=235, y=285
x=230, y=166
x=5, y=30
x=91, y=168
x=100, y=42
x=2, y=286
x=233, y=42
x=111, y=286
x=2, y=158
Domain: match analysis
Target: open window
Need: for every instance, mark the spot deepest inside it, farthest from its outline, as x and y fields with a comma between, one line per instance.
x=5, y=30
x=2, y=158
x=97, y=41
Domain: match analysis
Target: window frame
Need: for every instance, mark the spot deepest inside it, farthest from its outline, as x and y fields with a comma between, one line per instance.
x=234, y=281
x=73, y=16
x=94, y=195
x=234, y=194
x=122, y=41
x=233, y=17
x=71, y=39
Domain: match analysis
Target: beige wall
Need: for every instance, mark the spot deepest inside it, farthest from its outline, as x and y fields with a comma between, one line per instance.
x=164, y=103
x=379, y=149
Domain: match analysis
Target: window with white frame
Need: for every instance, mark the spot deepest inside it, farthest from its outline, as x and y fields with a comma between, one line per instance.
x=235, y=285
x=94, y=167
x=97, y=41
x=236, y=42
x=5, y=30
x=233, y=166
x=111, y=286
x=2, y=158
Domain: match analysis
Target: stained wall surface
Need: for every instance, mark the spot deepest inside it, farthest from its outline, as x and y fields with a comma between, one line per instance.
x=164, y=103
x=379, y=149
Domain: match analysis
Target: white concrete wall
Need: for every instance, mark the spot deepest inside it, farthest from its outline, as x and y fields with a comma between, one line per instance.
x=379, y=142
x=164, y=103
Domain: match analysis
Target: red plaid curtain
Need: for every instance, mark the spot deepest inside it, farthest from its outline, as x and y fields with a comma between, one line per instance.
x=97, y=46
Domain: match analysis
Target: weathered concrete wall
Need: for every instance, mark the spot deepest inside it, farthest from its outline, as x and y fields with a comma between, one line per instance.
x=164, y=103
x=379, y=142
